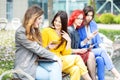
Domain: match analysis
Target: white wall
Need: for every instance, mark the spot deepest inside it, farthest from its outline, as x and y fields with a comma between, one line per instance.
x=2, y=8
x=19, y=8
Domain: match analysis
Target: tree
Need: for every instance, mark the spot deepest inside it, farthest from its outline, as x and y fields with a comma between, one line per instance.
x=50, y=10
x=92, y=3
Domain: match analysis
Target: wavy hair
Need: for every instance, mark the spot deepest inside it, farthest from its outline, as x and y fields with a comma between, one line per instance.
x=30, y=17
x=73, y=16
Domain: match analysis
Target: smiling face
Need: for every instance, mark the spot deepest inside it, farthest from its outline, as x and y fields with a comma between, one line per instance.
x=89, y=17
x=38, y=21
x=78, y=21
x=57, y=23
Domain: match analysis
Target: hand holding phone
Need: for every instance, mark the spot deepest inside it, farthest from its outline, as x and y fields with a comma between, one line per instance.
x=92, y=35
x=91, y=46
x=53, y=44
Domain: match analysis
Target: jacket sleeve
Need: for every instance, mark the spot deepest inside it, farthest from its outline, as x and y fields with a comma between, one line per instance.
x=70, y=32
x=32, y=46
x=97, y=39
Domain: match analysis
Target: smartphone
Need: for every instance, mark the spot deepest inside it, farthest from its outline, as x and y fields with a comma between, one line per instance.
x=91, y=46
x=54, y=42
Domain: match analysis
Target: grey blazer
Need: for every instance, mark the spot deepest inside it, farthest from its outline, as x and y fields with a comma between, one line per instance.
x=26, y=54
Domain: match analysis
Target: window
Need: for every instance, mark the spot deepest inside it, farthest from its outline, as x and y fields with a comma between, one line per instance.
x=9, y=9
x=42, y=3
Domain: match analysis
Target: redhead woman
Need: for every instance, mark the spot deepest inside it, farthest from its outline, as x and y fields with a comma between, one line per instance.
x=75, y=21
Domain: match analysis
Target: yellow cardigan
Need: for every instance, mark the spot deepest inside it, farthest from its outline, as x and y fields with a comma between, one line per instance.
x=49, y=35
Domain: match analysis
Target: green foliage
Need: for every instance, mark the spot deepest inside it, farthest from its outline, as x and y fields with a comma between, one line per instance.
x=7, y=49
x=96, y=18
x=106, y=18
x=117, y=19
x=110, y=33
x=7, y=76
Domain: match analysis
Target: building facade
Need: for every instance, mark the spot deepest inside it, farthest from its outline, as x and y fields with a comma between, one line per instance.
x=10, y=9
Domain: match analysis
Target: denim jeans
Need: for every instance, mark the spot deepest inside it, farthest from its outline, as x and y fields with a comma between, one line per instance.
x=100, y=68
x=48, y=71
x=102, y=62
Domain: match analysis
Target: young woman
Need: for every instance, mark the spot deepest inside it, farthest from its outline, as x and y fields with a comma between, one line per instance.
x=74, y=22
x=89, y=36
x=29, y=49
x=57, y=40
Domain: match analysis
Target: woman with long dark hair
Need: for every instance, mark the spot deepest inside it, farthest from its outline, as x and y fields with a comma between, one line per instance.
x=89, y=35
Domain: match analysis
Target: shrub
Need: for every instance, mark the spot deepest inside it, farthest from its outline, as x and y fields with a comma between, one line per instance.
x=7, y=49
x=117, y=19
x=106, y=18
x=96, y=18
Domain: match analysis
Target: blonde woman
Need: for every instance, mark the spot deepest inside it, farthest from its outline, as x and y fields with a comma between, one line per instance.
x=29, y=49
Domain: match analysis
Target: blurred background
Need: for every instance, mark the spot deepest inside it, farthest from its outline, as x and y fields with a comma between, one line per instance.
x=12, y=12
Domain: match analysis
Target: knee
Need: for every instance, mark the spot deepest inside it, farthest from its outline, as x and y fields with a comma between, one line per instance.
x=77, y=56
x=103, y=50
x=99, y=61
x=91, y=55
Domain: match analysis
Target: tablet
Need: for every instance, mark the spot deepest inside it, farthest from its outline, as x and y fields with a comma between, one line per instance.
x=46, y=60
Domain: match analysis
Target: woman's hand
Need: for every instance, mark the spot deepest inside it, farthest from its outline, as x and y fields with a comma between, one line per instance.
x=80, y=51
x=66, y=36
x=52, y=45
x=92, y=35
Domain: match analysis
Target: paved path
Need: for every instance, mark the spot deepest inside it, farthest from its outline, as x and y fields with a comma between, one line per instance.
x=116, y=61
x=109, y=26
x=10, y=26
x=109, y=75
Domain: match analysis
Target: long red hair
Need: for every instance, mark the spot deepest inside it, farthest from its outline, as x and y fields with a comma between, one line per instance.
x=73, y=16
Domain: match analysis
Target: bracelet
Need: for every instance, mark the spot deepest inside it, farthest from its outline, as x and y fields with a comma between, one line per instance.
x=88, y=38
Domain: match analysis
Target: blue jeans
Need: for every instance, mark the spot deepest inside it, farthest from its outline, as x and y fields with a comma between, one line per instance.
x=102, y=62
x=48, y=71
x=100, y=68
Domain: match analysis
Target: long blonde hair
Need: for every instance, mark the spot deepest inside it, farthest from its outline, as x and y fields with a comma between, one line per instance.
x=30, y=17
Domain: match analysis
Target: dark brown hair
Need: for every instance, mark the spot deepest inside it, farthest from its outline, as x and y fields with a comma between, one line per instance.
x=64, y=21
x=89, y=9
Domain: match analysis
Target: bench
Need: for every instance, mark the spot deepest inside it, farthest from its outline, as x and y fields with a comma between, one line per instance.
x=19, y=71
x=65, y=76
